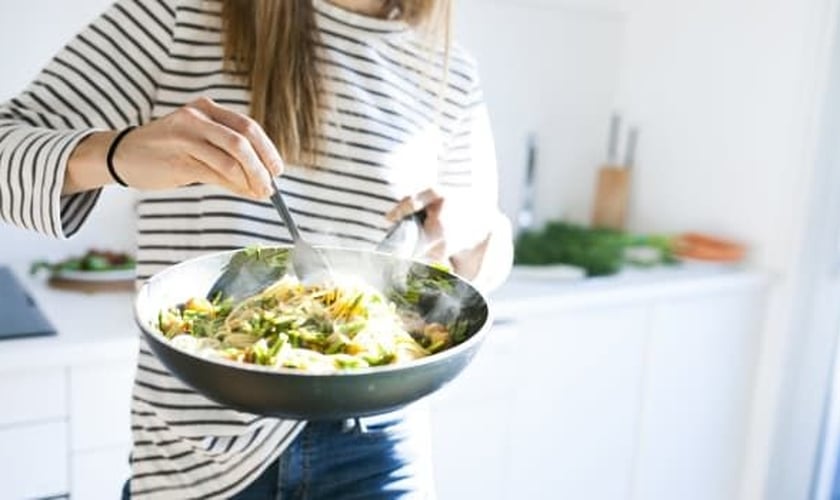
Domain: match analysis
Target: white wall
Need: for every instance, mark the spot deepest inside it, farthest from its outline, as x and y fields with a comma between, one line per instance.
x=728, y=97
x=717, y=87
x=549, y=67
x=31, y=32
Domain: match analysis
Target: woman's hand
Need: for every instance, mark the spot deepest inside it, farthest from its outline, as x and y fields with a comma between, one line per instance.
x=198, y=143
x=445, y=236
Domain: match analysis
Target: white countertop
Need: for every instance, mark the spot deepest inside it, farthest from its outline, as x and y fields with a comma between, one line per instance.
x=100, y=327
x=90, y=327
x=523, y=293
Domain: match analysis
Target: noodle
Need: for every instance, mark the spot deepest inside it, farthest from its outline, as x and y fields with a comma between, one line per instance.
x=319, y=328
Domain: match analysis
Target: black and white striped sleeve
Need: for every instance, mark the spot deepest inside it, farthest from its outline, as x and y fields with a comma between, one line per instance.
x=104, y=79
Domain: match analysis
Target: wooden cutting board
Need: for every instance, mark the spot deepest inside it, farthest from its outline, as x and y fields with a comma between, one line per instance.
x=91, y=287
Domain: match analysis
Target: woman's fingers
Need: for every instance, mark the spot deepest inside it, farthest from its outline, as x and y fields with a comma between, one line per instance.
x=247, y=127
x=436, y=245
x=428, y=199
x=434, y=233
x=235, y=145
x=225, y=165
x=207, y=174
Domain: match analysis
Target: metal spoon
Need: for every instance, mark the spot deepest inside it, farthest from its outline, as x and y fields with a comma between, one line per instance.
x=307, y=261
x=249, y=272
x=404, y=239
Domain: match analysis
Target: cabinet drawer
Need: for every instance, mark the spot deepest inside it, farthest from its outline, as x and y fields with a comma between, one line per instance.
x=28, y=395
x=459, y=437
x=490, y=375
x=33, y=459
x=100, y=404
x=100, y=474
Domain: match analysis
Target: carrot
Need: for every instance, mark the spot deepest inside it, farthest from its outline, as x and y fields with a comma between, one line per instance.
x=706, y=247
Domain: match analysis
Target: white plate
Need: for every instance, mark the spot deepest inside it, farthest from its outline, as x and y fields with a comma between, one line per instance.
x=98, y=276
x=554, y=272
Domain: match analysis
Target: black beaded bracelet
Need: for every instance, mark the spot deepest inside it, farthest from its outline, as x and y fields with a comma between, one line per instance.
x=110, y=158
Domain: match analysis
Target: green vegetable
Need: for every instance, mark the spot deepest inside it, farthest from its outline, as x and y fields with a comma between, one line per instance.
x=600, y=252
x=347, y=361
x=458, y=330
x=92, y=261
x=311, y=327
x=96, y=263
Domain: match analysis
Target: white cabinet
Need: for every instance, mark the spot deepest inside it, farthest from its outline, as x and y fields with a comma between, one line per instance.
x=32, y=395
x=472, y=420
x=100, y=474
x=33, y=460
x=100, y=395
x=548, y=408
x=697, y=397
x=65, y=399
x=33, y=433
x=576, y=407
x=640, y=395
x=65, y=429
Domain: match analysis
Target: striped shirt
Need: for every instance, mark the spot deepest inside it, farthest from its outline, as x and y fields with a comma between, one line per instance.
x=393, y=125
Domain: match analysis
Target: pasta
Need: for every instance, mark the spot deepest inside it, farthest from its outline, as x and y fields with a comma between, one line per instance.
x=316, y=328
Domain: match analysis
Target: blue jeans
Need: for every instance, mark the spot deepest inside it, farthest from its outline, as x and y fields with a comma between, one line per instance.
x=384, y=457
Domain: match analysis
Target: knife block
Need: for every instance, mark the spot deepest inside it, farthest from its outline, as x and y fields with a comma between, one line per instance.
x=612, y=194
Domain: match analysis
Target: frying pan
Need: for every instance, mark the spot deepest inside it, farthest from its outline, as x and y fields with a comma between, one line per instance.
x=290, y=393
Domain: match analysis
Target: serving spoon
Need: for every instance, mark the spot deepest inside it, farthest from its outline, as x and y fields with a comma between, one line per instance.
x=308, y=263
x=405, y=238
x=249, y=272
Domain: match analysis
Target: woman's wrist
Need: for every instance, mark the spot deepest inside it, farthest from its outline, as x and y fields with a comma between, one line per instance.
x=109, y=158
x=87, y=168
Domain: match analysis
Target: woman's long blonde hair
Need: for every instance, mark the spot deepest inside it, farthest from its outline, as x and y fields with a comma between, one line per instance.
x=272, y=43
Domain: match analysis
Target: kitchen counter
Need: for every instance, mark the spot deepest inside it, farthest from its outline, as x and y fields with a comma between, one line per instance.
x=90, y=327
x=67, y=396
x=524, y=293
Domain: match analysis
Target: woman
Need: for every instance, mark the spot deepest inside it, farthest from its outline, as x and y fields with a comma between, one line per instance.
x=367, y=115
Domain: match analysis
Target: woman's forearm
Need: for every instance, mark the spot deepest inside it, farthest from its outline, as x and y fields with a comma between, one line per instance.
x=86, y=167
x=202, y=142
